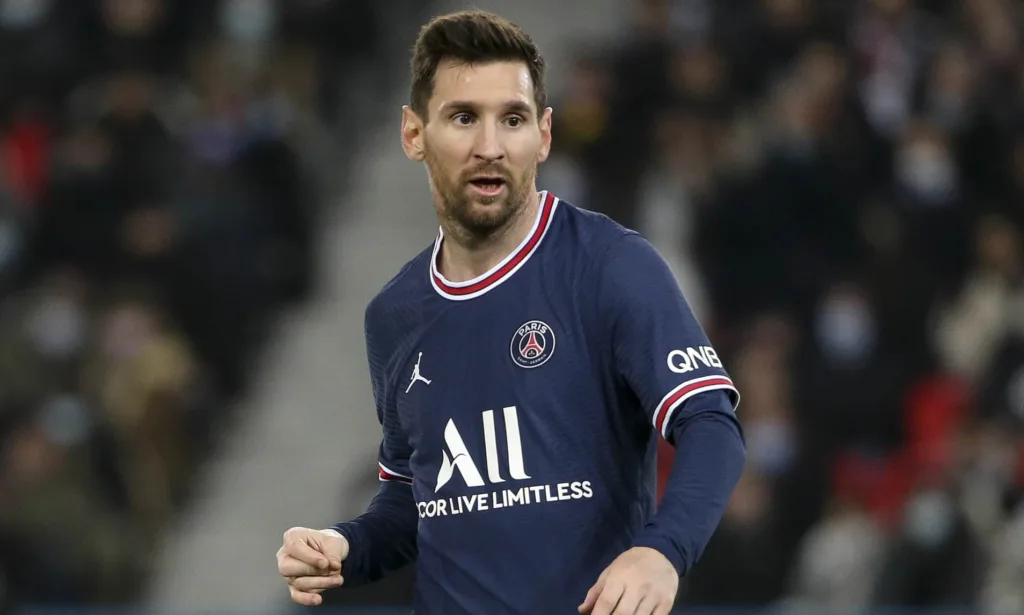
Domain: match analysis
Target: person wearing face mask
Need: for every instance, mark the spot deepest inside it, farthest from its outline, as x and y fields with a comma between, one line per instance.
x=935, y=560
x=845, y=351
x=926, y=170
x=57, y=327
x=45, y=336
x=929, y=188
x=24, y=14
x=771, y=445
x=248, y=21
x=846, y=329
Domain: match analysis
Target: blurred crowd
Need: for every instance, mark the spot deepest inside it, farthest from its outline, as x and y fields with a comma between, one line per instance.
x=847, y=185
x=157, y=205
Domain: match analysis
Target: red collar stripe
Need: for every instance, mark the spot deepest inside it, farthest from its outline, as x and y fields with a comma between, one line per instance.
x=497, y=275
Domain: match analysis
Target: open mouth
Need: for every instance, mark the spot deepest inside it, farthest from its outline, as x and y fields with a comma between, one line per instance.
x=488, y=183
x=488, y=186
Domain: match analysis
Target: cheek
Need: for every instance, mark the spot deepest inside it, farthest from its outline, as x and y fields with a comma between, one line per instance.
x=524, y=154
x=449, y=145
x=446, y=158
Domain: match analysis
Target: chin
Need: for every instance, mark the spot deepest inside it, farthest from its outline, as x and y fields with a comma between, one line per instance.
x=484, y=218
x=484, y=222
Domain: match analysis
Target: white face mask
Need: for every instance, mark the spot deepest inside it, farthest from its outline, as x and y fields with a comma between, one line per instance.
x=250, y=21
x=771, y=447
x=928, y=172
x=23, y=14
x=930, y=519
x=66, y=420
x=846, y=331
x=57, y=328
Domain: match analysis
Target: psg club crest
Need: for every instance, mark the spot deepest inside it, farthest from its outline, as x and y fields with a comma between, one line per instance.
x=533, y=344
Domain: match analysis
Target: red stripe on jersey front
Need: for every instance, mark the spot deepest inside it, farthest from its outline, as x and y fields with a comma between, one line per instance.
x=496, y=276
x=686, y=390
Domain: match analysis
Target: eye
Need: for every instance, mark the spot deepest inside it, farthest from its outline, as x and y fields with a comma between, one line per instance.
x=514, y=121
x=462, y=119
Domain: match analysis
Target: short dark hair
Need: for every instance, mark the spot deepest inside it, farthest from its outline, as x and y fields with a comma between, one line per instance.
x=471, y=37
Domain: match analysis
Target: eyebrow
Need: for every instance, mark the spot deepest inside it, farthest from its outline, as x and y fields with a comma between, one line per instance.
x=512, y=106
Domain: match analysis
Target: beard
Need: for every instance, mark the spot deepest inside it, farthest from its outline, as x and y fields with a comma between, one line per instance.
x=478, y=217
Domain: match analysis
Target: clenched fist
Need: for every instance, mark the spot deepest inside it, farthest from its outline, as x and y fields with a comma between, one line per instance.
x=641, y=581
x=310, y=561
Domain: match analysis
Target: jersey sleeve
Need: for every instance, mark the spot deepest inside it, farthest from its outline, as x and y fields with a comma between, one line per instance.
x=383, y=539
x=394, y=452
x=657, y=345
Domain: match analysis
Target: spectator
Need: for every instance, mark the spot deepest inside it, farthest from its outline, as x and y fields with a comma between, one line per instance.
x=156, y=211
x=853, y=169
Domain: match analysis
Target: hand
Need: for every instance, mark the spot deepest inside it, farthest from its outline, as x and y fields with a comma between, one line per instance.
x=641, y=581
x=310, y=561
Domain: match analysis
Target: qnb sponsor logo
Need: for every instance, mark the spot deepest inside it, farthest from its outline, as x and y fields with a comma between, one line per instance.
x=691, y=359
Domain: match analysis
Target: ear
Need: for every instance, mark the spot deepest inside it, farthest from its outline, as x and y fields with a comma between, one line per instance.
x=412, y=134
x=545, y=135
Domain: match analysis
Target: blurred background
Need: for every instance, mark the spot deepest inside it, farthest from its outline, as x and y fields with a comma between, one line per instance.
x=198, y=198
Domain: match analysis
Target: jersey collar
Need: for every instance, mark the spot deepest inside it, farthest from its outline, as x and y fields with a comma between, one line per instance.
x=461, y=291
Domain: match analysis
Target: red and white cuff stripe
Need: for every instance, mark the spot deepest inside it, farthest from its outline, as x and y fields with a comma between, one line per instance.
x=386, y=474
x=686, y=390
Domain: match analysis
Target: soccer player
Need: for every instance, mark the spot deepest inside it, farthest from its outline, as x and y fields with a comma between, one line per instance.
x=523, y=367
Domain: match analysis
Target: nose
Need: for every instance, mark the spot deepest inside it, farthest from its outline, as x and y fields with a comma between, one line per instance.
x=488, y=146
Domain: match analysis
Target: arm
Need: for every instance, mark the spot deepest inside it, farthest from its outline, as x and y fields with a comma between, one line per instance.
x=663, y=354
x=708, y=464
x=383, y=539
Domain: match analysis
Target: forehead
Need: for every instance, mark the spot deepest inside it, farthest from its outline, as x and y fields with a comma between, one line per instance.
x=489, y=84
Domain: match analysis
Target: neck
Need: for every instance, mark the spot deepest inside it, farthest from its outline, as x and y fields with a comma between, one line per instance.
x=464, y=256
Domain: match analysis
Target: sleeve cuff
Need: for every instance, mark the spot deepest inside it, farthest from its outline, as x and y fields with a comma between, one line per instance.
x=666, y=547
x=353, y=564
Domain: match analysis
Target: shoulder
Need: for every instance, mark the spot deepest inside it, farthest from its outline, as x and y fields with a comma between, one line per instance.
x=590, y=235
x=604, y=247
x=393, y=307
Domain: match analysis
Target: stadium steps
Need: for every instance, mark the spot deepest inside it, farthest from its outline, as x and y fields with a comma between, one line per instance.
x=307, y=440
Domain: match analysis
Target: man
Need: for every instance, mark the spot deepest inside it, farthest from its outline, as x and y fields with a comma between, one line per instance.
x=518, y=367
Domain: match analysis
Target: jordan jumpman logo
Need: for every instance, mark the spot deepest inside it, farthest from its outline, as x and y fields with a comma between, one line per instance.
x=416, y=374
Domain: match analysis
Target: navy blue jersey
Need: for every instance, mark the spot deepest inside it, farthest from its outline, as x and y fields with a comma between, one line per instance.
x=522, y=409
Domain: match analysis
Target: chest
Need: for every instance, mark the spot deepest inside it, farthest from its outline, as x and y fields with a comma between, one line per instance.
x=518, y=364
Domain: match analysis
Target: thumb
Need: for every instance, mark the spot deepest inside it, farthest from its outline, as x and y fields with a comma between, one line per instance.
x=593, y=594
x=336, y=550
x=335, y=547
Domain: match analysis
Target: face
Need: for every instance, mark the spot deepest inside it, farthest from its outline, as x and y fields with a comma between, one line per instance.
x=481, y=142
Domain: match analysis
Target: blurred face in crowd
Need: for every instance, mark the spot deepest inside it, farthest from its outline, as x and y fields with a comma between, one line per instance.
x=86, y=151
x=652, y=17
x=24, y=14
x=787, y=13
x=127, y=328
x=891, y=9
x=29, y=456
x=845, y=325
x=998, y=245
x=57, y=326
x=130, y=95
x=925, y=166
x=132, y=17
x=482, y=141
x=248, y=20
